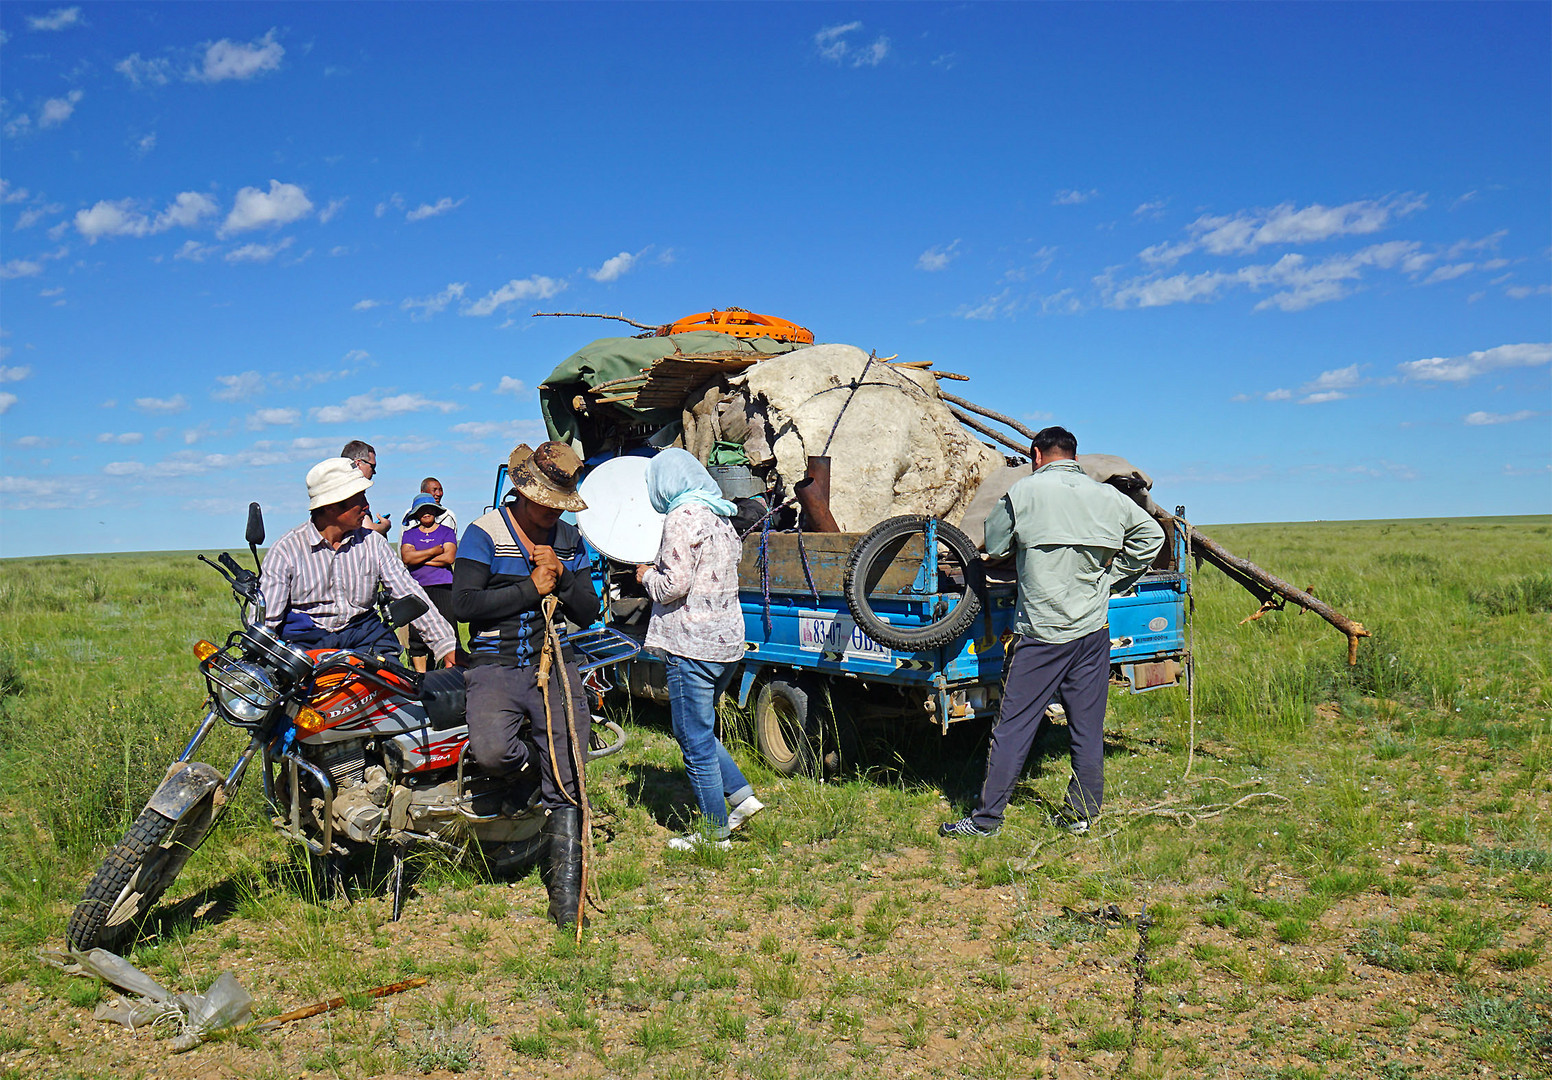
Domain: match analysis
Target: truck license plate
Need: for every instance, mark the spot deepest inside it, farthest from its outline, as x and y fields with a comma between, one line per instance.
x=829, y=634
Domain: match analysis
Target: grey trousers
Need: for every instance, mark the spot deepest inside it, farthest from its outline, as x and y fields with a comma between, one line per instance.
x=1038, y=671
x=507, y=728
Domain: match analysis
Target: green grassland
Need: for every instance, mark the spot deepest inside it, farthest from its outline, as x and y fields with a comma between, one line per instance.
x=1349, y=870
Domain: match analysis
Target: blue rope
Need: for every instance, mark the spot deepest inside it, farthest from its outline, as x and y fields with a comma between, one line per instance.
x=765, y=572
x=803, y=558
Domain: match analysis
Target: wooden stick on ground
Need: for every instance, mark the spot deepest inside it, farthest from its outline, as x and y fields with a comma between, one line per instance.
x=337, y=1003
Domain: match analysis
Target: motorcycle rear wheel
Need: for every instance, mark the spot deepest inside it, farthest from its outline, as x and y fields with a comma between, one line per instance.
x=133, y=877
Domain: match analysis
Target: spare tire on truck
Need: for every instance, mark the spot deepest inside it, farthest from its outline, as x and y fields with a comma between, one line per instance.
x=951, y=603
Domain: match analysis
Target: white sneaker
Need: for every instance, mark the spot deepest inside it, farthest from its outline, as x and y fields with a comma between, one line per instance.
x=744, y=811
x=696, y=842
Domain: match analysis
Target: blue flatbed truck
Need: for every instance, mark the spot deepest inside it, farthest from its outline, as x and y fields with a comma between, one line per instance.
x=808, y=606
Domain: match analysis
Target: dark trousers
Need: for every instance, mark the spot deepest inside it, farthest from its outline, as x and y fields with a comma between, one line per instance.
x=1080, y=672
x=442, y=599
x=508, y=730
x=365, y=631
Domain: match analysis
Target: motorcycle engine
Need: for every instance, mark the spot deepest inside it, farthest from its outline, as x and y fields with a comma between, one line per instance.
x=360, y=790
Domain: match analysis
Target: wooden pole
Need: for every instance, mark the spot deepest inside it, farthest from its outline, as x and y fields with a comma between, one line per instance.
x=337, y=1003
x=997, y=416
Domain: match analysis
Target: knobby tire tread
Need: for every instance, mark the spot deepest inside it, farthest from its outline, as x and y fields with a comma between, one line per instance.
x=86, y=931
x=859, y=565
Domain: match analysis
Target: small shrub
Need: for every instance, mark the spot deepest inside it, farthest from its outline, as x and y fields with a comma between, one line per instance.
x=1523, y=596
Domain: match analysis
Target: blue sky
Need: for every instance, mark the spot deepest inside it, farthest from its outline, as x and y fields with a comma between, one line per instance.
x=1294, y=260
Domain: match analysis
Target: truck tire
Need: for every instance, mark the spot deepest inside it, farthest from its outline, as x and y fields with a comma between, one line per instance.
x=134, y=876
x=871, y=557
x=785, y=728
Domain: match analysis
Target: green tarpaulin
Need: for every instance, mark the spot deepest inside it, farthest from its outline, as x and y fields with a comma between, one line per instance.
x=613, y=358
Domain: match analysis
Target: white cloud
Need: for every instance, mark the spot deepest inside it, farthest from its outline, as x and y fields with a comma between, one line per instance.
x=509, y=385
x=9, y=194
x=1279, y=394
x=13, y=374
x=934, y=259
x=510, y=431
x=273, y=418
x=145, y=145
x=532, y=288
x=430, y=210
x=394, y=202
x=259, y=252
x=123, y=468
x=1477, y=419
x=56, y=111
x=122, y=218
x=194, y=251
x=832, y=46
x=128, y=438
x=989, y=308
x=35, y=442
x=617, y=266
x=142, y=72
x=373, y=406
x=18, y=268
x=255, y=209
x=1072, y=197
x=1149, y=209
x=227, y=59
x=58, y=19
x=1461, y=369
x=1322, y=397
x=428, y=306
x=6, y=401
x=34, y=214
x=365, y=305
x=239, y=387
x=327, y=214
x=1520, y=292
x=1338, y=379
x=175, y=404
x=1301, y=283
x=1250, y=230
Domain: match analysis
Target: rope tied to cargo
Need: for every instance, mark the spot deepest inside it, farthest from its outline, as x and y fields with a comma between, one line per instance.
x=856, y=384
x=765, y=573
x=808, y=575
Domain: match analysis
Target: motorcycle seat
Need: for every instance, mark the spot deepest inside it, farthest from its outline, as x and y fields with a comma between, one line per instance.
x=443, y=694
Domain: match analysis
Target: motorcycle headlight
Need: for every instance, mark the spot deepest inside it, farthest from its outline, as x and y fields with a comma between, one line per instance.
x=244, y=691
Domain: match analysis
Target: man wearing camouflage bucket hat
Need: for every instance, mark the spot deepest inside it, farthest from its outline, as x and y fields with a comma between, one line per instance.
x=508, y=561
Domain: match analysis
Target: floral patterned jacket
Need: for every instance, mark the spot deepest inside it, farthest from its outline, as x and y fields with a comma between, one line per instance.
x=694, y=588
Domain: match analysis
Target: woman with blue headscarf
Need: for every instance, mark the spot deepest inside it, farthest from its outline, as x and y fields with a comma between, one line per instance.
x=697, y=622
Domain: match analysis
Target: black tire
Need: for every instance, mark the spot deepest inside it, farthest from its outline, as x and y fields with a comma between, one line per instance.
x=871, y=557
x=785, y=730
x=134, y=875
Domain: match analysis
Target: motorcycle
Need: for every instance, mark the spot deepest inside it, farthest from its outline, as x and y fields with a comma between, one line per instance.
x=355, y=750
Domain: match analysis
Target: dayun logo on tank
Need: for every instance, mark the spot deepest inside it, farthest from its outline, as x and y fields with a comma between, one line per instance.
x=838, y=636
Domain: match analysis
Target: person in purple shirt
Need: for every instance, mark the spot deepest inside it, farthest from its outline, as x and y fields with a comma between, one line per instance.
x=428, y=550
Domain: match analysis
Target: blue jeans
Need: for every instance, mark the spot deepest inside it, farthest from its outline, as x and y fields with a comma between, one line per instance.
x=693, y=686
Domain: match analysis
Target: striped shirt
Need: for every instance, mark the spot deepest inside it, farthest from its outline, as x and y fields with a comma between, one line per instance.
x=332, y=586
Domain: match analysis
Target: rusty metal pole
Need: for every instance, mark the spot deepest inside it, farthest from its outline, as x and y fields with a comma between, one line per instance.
x=813, y=495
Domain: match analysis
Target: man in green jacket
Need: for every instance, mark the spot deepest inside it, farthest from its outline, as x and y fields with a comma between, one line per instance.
x=1075, y=541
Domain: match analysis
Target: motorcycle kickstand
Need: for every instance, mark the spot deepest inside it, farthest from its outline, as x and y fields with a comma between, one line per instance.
x=397, y=885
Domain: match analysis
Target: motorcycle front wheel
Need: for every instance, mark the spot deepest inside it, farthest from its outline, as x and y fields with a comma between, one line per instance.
x=135, y=874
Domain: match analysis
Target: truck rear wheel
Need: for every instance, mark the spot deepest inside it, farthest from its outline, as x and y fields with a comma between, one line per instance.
x=784, y=728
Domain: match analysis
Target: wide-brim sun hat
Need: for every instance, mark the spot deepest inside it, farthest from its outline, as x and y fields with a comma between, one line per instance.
x=547, y=475
x=421, y=504
x=333, y=480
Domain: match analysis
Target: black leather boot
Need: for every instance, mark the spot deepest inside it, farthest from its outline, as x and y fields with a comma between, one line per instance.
x=564, y=880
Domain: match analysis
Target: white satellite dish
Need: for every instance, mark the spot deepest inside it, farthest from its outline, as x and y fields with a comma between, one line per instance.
x=619, y=520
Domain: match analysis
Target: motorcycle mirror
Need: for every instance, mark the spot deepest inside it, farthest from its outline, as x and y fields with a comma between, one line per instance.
x=255, y=532
x=405, y=610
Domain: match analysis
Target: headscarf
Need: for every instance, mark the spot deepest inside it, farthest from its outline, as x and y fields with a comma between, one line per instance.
x=675, y=478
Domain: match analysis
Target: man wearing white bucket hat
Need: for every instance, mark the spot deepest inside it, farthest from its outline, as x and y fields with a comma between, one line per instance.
x=320, y=579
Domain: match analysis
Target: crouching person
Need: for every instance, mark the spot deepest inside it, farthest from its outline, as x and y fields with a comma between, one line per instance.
x=508, y=561
x=320, y=579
